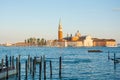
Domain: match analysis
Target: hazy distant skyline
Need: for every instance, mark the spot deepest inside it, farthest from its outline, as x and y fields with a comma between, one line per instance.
x=40, y=18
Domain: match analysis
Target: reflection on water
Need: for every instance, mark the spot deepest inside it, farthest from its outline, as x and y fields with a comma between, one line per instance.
x=77, y=63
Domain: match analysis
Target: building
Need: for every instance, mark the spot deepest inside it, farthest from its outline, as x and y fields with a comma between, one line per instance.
x=78, y=40
x=7, y=44
x=98, y=42
x=60, y=32
x=21, y=44
x=104, y=42
x=110, y=43
x=87, y=41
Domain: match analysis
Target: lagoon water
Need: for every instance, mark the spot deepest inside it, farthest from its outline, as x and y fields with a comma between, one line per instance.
x=77, y=63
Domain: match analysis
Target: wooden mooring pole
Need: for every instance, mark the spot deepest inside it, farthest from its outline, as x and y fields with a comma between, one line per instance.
x=40, y=70
x=60, y=66
x=26, y=69
x=44, y=69
x=108, y=55
x=114, y=58
x=50, y=69
x=6, y=66
x=2, y=61
x=19, y=71
x=12, y=62
x=41, y=63
x=30, y=65
x=114, y=61
x=33, y=67
x=28, y=61
x=17, y=65
x=35, y=64
x=7, y=70
x=6, y=59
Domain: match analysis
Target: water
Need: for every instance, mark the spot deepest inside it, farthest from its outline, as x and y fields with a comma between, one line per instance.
x=77, y=63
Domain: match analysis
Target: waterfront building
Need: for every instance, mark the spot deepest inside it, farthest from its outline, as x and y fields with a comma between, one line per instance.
x=104, y=42
x=78, y=40
x=75, y=43
x=20, y=44
x=98, y=42
x=87, y=41
x=111, y=43
x=52, y=43
x=7, y=44
x=49, y=43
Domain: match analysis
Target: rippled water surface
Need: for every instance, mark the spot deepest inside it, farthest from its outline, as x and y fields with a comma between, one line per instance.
x=77, y=63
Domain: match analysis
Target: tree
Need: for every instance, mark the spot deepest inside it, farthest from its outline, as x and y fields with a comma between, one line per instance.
x=38, y=41
x=25, y=41
x=28, y=41
x=31, y=40
x=42, y=41
x=35, y=41
x=45, y=42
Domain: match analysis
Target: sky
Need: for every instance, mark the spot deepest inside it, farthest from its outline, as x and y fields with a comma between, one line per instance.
x=22, y=19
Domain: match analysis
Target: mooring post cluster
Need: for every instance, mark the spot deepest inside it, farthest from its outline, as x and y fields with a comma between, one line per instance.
x=30, y=67
x=114, y=59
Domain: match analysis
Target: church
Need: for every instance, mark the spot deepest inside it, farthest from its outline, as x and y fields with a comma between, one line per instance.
x=75, y=41
x=78, y=40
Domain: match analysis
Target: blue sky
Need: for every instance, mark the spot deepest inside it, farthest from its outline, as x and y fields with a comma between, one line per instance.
x=21, y=19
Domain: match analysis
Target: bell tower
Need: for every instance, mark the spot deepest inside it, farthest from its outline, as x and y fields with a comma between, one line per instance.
x=60, y=32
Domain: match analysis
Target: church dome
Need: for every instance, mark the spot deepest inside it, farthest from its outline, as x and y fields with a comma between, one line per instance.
x=78, y=34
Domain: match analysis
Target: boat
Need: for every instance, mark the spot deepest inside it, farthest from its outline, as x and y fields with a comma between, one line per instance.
x=95, y=51
x=117, y=60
